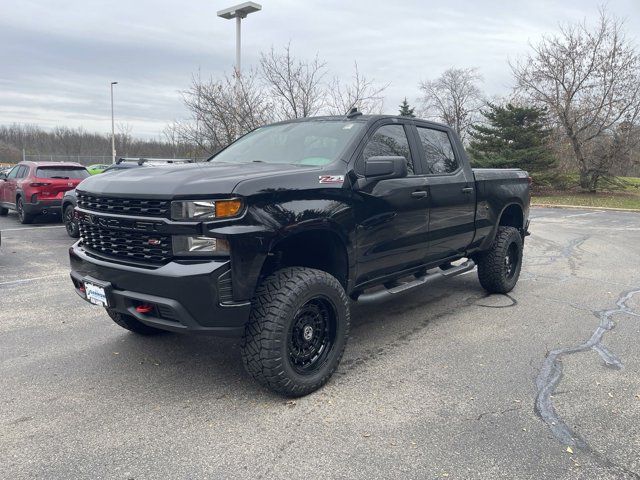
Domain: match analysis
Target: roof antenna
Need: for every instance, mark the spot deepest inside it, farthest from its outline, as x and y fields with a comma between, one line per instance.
x=353, y=113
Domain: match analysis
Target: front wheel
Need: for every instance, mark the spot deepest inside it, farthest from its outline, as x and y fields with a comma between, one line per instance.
x=499, y=267
x=3, y=211
x=70, y=222
x=297, y=330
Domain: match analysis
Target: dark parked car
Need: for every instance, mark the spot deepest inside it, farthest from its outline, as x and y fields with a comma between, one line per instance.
x=271, y=238
x=34, y=188
x=69, y=201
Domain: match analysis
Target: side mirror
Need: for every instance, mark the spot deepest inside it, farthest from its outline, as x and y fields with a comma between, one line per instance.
x=381, y=168
x=3, y=176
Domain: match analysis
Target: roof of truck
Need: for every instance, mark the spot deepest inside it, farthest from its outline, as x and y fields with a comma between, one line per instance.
x=361, y=118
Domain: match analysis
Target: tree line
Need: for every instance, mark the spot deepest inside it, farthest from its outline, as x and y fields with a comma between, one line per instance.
x=74, y=143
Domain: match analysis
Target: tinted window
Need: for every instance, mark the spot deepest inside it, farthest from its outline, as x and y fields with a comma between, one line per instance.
x=23, y=172
x=297, y=143
x=61, y=172
x=389, y=140
x=438, y=152
x=14, y=172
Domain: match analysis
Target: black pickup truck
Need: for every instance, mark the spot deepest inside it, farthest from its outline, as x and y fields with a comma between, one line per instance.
x=273, y=236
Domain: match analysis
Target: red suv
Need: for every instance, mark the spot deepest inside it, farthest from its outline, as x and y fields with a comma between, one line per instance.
x=33, y=188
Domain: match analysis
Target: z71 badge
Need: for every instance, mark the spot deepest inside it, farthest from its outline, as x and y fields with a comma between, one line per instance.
x=331, y=179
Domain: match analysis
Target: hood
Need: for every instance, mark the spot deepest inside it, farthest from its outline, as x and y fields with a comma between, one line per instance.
x=193, y=179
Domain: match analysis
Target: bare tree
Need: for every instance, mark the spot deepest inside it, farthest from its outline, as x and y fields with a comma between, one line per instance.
x=223, y=110
x=454, y=98
x=295, y=85
x=124, y=138
x=589, y=79
x=284, y=87
x=361, y=92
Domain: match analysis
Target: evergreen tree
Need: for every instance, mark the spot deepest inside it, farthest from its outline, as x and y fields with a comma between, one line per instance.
x=513, y=137
x=406, y=110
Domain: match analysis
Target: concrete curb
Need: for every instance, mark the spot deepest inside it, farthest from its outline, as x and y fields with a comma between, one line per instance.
x=584, y=207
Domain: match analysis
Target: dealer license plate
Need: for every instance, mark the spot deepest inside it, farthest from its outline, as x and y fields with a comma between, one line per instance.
x=96, y=294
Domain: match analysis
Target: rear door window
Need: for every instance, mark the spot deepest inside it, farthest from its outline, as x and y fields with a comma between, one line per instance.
x=438, y=152
x=23, y=171
x=62, y=172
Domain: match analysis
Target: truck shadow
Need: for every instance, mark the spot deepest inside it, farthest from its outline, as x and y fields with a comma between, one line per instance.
x=184, y=364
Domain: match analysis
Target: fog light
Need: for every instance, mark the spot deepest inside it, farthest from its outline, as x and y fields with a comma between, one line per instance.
x=199, y=246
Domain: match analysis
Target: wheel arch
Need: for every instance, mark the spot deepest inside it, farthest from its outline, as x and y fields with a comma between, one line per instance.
x=322, y=247
x=512, y=215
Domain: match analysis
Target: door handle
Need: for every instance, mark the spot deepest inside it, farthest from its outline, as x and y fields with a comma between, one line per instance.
x=467, y=190
x=419, y=194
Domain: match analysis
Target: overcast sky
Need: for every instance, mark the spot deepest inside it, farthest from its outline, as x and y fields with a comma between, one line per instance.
x=58, y=57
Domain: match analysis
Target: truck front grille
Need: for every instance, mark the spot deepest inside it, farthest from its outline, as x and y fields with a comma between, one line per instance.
x=133, y=246
x=125, y=206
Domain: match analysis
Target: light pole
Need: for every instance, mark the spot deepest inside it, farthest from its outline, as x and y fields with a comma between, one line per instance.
x=113, y=128
x=239, y=12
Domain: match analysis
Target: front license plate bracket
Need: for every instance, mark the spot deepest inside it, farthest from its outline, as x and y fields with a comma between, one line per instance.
x=97, y=292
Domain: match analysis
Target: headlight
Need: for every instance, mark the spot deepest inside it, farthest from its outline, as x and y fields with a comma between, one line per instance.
x=199, y=246
x=203, y=210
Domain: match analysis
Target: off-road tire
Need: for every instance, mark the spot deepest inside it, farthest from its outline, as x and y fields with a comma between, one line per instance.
x=132, y=324
x=493, y=266
x=277, y=309
x=69, y=222
x=4, y=212
x=23, y=216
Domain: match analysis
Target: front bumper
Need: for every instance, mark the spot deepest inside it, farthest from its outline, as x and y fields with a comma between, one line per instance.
x=186, y=298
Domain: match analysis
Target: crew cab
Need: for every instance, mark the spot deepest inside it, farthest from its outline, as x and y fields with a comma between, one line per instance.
x=275, y=235
x=34, y=188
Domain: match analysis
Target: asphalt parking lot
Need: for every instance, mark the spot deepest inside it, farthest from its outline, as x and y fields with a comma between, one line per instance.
x=443, y=382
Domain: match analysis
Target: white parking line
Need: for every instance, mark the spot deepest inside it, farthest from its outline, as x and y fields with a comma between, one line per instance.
x=26, y=280
x=30, y=228
x=583, y=214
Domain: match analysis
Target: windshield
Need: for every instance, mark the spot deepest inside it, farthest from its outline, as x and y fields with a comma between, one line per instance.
x=62, y=172
x=299, y=143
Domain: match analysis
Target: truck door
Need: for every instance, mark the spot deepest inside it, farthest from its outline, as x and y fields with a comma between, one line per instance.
x=391, y=214
x=452, y=195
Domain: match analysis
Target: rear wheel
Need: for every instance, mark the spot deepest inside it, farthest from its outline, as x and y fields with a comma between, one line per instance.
x=297, y=331
x=70, y=222
x=132, y=324
x=23, y=216
x=499, y=268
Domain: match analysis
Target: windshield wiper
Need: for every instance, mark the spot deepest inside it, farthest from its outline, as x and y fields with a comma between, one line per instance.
x=57, y=176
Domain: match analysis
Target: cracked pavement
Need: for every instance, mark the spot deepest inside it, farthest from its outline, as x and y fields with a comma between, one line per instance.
x=442, y=382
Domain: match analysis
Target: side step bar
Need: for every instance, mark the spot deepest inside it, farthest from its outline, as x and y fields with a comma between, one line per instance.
x=418, y=282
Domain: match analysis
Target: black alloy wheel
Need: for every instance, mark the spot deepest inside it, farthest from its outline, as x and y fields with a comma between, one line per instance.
x=312, y=335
